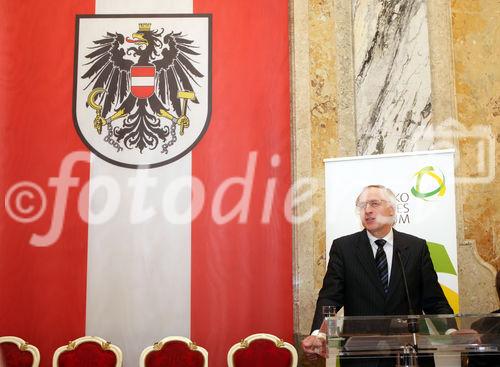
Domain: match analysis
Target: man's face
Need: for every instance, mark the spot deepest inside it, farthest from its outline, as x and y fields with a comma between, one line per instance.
x=375, y=211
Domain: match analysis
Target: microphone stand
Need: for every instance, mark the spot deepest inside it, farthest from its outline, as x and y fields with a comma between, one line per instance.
x=408, y=350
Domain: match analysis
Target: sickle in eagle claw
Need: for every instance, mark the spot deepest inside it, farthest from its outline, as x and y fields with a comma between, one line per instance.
x=99, y=121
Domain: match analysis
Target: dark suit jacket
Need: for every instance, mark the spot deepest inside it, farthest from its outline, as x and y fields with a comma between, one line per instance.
x=352, y=280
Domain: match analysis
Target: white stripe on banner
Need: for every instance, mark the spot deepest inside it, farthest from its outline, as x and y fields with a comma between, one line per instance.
x=143, y=6
x=138, y=275
x=142, y=81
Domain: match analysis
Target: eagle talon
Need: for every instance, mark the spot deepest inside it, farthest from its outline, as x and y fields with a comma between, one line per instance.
x=99, y=122
x=183, y=122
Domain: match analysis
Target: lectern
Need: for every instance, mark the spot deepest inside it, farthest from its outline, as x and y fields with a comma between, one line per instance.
x=414, y=340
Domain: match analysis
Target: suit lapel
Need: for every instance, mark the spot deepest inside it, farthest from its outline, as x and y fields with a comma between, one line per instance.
x=364, y=254
x=396, y=278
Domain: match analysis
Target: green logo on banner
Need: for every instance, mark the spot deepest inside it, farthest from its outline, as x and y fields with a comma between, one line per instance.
x=429, y=184
x=440, y=258
x=442, y=264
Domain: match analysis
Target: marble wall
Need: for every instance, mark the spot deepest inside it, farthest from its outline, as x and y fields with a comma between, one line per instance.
x=315, y=135
x=382, y=76
x=475, y=38
x=392, y=75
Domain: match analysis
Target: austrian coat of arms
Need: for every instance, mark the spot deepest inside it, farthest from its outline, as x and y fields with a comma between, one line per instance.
x=142, y=89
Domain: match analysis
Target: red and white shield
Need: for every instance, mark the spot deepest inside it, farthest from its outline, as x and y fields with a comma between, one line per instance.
x=142, y=81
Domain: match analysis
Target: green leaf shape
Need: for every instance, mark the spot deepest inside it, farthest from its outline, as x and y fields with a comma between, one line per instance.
x=440, y=259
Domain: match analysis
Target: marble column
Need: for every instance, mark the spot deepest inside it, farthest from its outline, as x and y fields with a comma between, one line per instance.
x=392, y=75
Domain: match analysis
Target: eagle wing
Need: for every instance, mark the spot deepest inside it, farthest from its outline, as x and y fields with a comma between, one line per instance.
x=175, y=69
x=109, y=70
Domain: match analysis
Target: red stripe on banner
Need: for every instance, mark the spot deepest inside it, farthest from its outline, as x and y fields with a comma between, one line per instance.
x=242, y=272
x=42, y=287
x=142, y=71
x=142, y=92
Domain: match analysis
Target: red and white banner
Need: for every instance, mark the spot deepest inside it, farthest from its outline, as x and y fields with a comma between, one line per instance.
x=134, y=217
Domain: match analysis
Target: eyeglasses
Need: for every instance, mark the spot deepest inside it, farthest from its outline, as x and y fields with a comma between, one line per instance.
x=375, y=204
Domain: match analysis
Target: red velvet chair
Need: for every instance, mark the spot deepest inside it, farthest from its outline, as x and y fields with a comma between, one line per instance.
x=262, y=350
x=88, y=351
x=174, y=351
x=15, y=352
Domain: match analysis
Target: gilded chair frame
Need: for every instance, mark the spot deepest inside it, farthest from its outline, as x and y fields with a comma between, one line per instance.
x=88, y=339
x=158, y=345
x=245, y=343
x=23, y=346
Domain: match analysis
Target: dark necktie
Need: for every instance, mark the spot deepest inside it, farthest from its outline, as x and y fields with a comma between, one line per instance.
x=381, y=263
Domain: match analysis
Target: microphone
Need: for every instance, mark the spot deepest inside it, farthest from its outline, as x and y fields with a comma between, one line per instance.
x=412, y=322
x=410, y=352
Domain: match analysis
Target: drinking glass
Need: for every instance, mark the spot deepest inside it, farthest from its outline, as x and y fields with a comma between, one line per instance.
x=329, y=315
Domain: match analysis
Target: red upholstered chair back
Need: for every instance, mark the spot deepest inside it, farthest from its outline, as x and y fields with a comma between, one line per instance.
x=262, y=350
x=174, y=351
x=88, y=351
x=15, y=352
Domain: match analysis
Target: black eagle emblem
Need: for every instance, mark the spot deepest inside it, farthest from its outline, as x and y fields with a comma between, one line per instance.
x=147, y=80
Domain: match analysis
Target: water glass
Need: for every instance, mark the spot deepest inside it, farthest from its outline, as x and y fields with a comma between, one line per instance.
x=329, y=315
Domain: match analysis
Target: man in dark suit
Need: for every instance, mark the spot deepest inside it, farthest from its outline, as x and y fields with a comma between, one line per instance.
x=364, y=274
